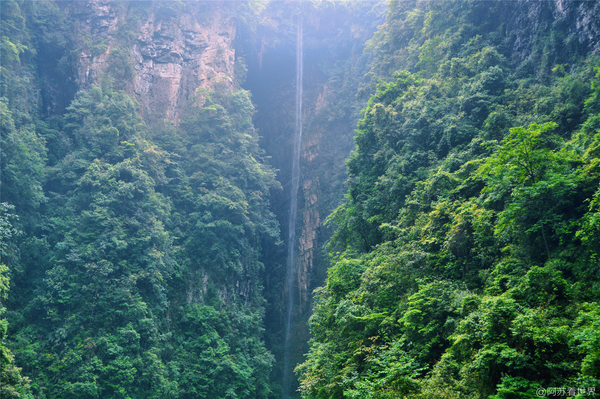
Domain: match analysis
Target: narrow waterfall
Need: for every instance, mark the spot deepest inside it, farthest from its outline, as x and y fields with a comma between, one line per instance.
x=291, y=269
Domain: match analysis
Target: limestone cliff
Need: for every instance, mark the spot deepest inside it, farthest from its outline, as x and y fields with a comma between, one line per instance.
x=160, y=51
x=577, y=19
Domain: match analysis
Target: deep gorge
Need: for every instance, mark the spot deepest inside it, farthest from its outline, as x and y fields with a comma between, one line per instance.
x=149, y=169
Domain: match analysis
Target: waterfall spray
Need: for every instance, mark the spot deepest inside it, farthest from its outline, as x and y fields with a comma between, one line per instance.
x=291, y=270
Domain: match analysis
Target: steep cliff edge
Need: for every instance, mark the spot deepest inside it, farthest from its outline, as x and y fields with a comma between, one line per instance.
x=576, y=20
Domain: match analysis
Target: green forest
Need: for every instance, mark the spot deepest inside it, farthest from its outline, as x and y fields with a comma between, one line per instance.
x=143, y=257
x=465, y=260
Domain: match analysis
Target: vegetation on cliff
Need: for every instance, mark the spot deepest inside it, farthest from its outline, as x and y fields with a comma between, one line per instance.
x=137, y=269
x=465, y=260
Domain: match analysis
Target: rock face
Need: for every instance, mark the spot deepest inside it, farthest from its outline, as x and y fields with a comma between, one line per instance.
x=579, y=19
x=96, y=22
x=177, y=55
x=333, y=69
x=587, y=24
x=159, y=52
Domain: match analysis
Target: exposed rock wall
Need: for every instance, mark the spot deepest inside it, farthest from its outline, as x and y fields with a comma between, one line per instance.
x=169, y=51
x=95, y=20
x=176, y=56
x=334, y=66
x=532, y=17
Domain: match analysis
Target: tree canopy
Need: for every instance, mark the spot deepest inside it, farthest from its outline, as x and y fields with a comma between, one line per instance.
x=464, y=264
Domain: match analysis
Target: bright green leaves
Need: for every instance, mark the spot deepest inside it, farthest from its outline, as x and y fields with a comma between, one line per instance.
x=14, y=385
x=592, y=103
x=542, y=287
x=389, y=373
x=535, y=182
x=109, y=262
x=409, y=125
x=377, y=339
x=524, y=333
x=429, y=318
x=523, y=158
x=227, y=190
x=102, y=123
x=210, y=364
x=8, y=234
x=15, y=41
x=588, y=339
x=139, y=235
x=344, y=277
x=590, y=229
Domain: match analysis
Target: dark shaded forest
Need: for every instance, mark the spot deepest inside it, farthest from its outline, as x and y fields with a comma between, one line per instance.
x=455, y=251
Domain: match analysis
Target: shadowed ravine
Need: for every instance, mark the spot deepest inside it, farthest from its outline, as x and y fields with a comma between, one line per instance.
x=291, y=270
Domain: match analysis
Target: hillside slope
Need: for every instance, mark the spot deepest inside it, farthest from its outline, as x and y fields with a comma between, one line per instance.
x=465, y=260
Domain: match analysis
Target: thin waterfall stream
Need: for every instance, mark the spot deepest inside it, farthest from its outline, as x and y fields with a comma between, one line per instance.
x=291, y=270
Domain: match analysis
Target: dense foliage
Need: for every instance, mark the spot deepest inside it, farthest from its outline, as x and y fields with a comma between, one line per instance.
x=465, y=261
x=135, y=260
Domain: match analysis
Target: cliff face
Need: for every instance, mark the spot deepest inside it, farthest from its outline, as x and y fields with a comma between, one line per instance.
x=177, y=55
x=334, y=66
x=163, y=52
x=576, y=19
x=168, y=271
x=159, y=52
